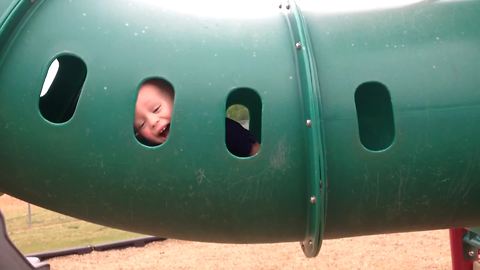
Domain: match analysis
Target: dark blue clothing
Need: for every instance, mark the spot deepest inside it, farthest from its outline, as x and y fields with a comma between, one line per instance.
x=238, y=139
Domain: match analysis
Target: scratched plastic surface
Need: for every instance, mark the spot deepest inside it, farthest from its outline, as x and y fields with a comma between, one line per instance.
x=426, y=55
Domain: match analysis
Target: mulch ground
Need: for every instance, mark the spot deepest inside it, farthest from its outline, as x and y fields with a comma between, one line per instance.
x=410, y=251
x=418, y=250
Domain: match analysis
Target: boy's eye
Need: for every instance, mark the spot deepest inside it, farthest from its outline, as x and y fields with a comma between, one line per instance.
x=156, y=109
x=142, y=124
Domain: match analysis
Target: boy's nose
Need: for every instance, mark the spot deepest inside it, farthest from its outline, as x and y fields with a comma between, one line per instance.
x=153, y=120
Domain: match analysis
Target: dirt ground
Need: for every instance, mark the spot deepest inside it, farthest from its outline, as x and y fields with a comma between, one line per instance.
x=417, y=250
x=8, y=202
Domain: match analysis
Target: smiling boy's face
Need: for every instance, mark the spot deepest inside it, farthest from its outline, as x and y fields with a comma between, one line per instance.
x=153, y=112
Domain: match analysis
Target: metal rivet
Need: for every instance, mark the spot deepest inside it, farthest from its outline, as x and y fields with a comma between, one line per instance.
x=310, y=242
x=471, y=253
x=309, y=123
x=280, y=6
x=288, y=6
x=313, y=200
x=298, y=45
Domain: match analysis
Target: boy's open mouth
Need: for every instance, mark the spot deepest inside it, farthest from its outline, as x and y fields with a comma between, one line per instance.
x=164, y=132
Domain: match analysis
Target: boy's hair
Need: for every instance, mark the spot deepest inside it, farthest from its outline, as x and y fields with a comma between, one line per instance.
x=163, y=85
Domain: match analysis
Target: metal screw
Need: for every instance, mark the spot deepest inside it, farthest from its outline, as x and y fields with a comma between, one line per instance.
x=288, y=6
x=310, y=242
x=298, y=45
x=280, y=6
x=313, y=200
x=309, y=123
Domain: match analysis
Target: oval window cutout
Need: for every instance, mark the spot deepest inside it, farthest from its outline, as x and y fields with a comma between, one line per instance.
x=375, y=116
x=243, y=124
x=153, y=111
x=62, y=88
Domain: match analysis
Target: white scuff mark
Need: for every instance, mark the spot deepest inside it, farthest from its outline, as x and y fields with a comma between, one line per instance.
x=200, y=176
x=279, y=157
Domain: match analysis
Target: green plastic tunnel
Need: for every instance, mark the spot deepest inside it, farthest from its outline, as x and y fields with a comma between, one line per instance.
x=368, y=119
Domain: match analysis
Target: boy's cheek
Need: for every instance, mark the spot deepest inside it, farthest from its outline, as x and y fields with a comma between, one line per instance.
x=143, y=134
x=150, y=136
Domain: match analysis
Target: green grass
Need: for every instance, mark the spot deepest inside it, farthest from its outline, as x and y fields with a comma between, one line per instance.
x=53, y=231
x=238, y=112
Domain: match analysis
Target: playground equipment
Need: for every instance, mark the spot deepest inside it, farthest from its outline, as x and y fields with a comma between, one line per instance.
x=465, y=248
x=11, y=257
x=368, y=120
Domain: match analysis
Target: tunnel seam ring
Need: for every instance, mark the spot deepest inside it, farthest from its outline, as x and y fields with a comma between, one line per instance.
x=14, y=14
x=315, y=200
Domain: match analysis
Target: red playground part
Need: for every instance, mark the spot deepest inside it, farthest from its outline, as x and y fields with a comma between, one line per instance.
x=456, y=248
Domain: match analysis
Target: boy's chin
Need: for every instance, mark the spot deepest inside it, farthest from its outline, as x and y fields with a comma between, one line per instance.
x=160, y=140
